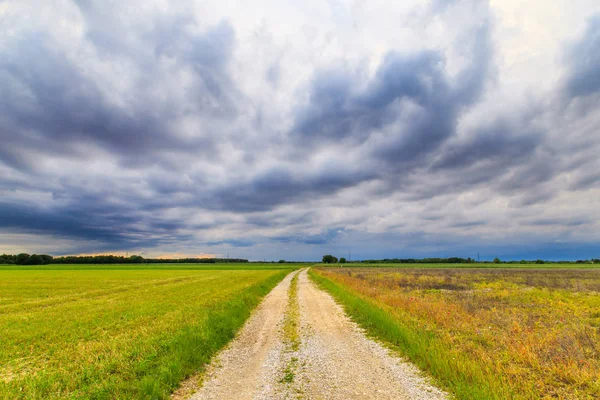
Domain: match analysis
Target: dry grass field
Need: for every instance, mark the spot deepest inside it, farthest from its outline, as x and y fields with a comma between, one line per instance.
x=484, y=333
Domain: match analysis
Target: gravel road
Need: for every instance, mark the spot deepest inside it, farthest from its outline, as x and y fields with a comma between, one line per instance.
x=334, y=360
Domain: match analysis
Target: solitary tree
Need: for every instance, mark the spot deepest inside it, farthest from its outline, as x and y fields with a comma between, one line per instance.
x=329, y=259
x=496, y=260
x=342, y=260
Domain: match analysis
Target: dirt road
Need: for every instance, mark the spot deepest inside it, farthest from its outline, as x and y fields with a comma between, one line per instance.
x=330, y=357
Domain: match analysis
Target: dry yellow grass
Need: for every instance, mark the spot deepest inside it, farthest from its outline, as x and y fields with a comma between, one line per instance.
x=526, y=333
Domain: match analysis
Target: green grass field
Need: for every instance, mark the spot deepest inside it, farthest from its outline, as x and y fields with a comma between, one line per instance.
x=108, y=332
x=483, y=333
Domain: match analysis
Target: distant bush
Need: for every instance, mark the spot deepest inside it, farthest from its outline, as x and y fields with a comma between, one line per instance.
x=329, y=259
x=342, y=260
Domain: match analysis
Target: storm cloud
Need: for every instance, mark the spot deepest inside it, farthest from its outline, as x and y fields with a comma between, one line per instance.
x=437, y=129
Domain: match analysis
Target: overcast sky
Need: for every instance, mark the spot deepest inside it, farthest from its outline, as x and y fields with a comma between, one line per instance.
x=291, y=129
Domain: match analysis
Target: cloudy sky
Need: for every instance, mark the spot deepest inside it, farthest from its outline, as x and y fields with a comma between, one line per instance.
x=291, y=129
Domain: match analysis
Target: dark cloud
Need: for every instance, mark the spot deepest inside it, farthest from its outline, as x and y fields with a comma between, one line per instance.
x=411, y=101
x=583, y=59
x=467, y=224
x=232, y=243
x=108, y=228
x=501, y=142
x=281, y=185
x=559, y=221
x=56, y=106
x=320, y=239
x=586, y=182
x=336, y=111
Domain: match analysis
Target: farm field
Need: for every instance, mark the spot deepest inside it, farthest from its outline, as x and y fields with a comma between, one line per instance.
x=105, y=332
x=483, y=333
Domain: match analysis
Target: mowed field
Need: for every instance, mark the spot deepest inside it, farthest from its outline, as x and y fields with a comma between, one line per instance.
x=126, y=331
x=497, y=333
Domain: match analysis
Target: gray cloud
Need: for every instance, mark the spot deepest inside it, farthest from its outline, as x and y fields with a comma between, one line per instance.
x=171, y=129
x=106, y=227
x=336, y=113
x=410, y=100
x=55, y=106
x=583, y=59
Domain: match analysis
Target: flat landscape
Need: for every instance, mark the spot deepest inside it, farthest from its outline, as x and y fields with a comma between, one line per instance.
x=300, y=344
x=492, y=333
x=285, y=331
x=106, y=332
x=326, y=200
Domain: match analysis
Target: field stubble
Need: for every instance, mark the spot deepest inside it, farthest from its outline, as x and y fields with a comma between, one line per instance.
x=105, y=334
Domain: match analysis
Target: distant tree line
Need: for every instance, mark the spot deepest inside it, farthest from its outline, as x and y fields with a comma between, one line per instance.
x=101, y=259
x=42, y=259
x=26, y=259
x=329, y=259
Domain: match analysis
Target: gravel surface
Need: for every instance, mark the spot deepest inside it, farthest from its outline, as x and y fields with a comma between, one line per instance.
x=335, y=360
x=340, y=362
x=248, y=367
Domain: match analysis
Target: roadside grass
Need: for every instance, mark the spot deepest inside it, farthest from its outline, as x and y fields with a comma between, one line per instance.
x=117, y=334
x=483, y=333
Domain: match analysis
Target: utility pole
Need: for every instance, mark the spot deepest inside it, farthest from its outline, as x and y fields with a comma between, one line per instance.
x=477, y=256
